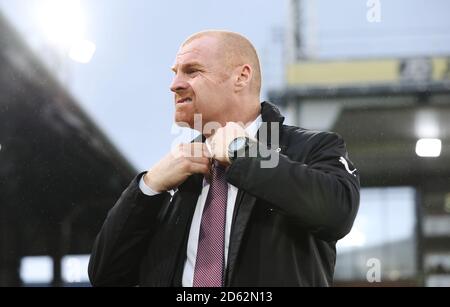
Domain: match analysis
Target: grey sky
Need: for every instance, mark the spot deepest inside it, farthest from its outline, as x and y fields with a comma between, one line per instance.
x=125, y=88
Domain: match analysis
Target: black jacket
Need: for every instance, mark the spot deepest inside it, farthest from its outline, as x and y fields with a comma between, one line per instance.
x=285, y=225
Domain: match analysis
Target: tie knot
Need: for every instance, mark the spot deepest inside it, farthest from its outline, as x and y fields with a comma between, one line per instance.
x=216, y=164
x=217, y=170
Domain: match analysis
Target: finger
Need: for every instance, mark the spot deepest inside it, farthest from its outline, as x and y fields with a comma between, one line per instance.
x=199, y=168
x=193, y=150
x=196, y=150
x=177, y=151
x=199, y=160
x=206, y=151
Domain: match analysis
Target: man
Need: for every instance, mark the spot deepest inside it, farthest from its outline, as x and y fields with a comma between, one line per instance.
x=211, y=213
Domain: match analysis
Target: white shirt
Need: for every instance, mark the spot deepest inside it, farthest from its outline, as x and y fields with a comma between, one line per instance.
x=191, y=253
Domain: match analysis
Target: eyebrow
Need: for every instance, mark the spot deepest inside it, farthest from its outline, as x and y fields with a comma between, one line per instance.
x=186, y=66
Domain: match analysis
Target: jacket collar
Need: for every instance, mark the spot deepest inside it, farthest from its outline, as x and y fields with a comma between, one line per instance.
x=270, y=113
x=271, y=118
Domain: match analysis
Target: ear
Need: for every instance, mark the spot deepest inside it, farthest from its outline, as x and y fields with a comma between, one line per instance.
x=244, y=76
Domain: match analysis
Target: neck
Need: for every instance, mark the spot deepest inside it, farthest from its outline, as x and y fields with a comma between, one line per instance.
x=245, y=112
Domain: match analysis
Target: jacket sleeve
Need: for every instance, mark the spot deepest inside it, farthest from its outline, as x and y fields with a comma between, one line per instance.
x=321, y=195
x=122, y=240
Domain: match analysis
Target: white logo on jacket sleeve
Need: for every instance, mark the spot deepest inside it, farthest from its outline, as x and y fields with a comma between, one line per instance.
x=343, y=161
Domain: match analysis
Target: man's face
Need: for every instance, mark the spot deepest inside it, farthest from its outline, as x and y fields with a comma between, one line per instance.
x=202, y=83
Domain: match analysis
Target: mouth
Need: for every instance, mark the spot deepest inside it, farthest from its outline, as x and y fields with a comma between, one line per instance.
x=184, y=100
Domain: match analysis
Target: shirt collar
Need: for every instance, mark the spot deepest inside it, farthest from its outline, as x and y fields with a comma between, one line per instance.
x=253, y=128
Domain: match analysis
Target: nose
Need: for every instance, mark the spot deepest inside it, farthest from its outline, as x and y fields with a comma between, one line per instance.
x=178, y=84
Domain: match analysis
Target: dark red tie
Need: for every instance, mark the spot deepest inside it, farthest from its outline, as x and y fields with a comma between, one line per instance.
x=209, y=266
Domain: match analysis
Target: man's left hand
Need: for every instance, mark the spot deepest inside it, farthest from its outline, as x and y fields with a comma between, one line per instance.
x=222, y=139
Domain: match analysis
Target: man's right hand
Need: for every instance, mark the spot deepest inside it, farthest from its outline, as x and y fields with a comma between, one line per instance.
x=177, y=166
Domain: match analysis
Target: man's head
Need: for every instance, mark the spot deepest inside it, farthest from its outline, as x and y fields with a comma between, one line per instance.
x=217, y=75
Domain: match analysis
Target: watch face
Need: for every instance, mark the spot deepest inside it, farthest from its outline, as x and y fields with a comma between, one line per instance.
x=237, y=144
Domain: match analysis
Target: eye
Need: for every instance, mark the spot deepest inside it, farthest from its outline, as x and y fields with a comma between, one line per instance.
x=192, y=71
